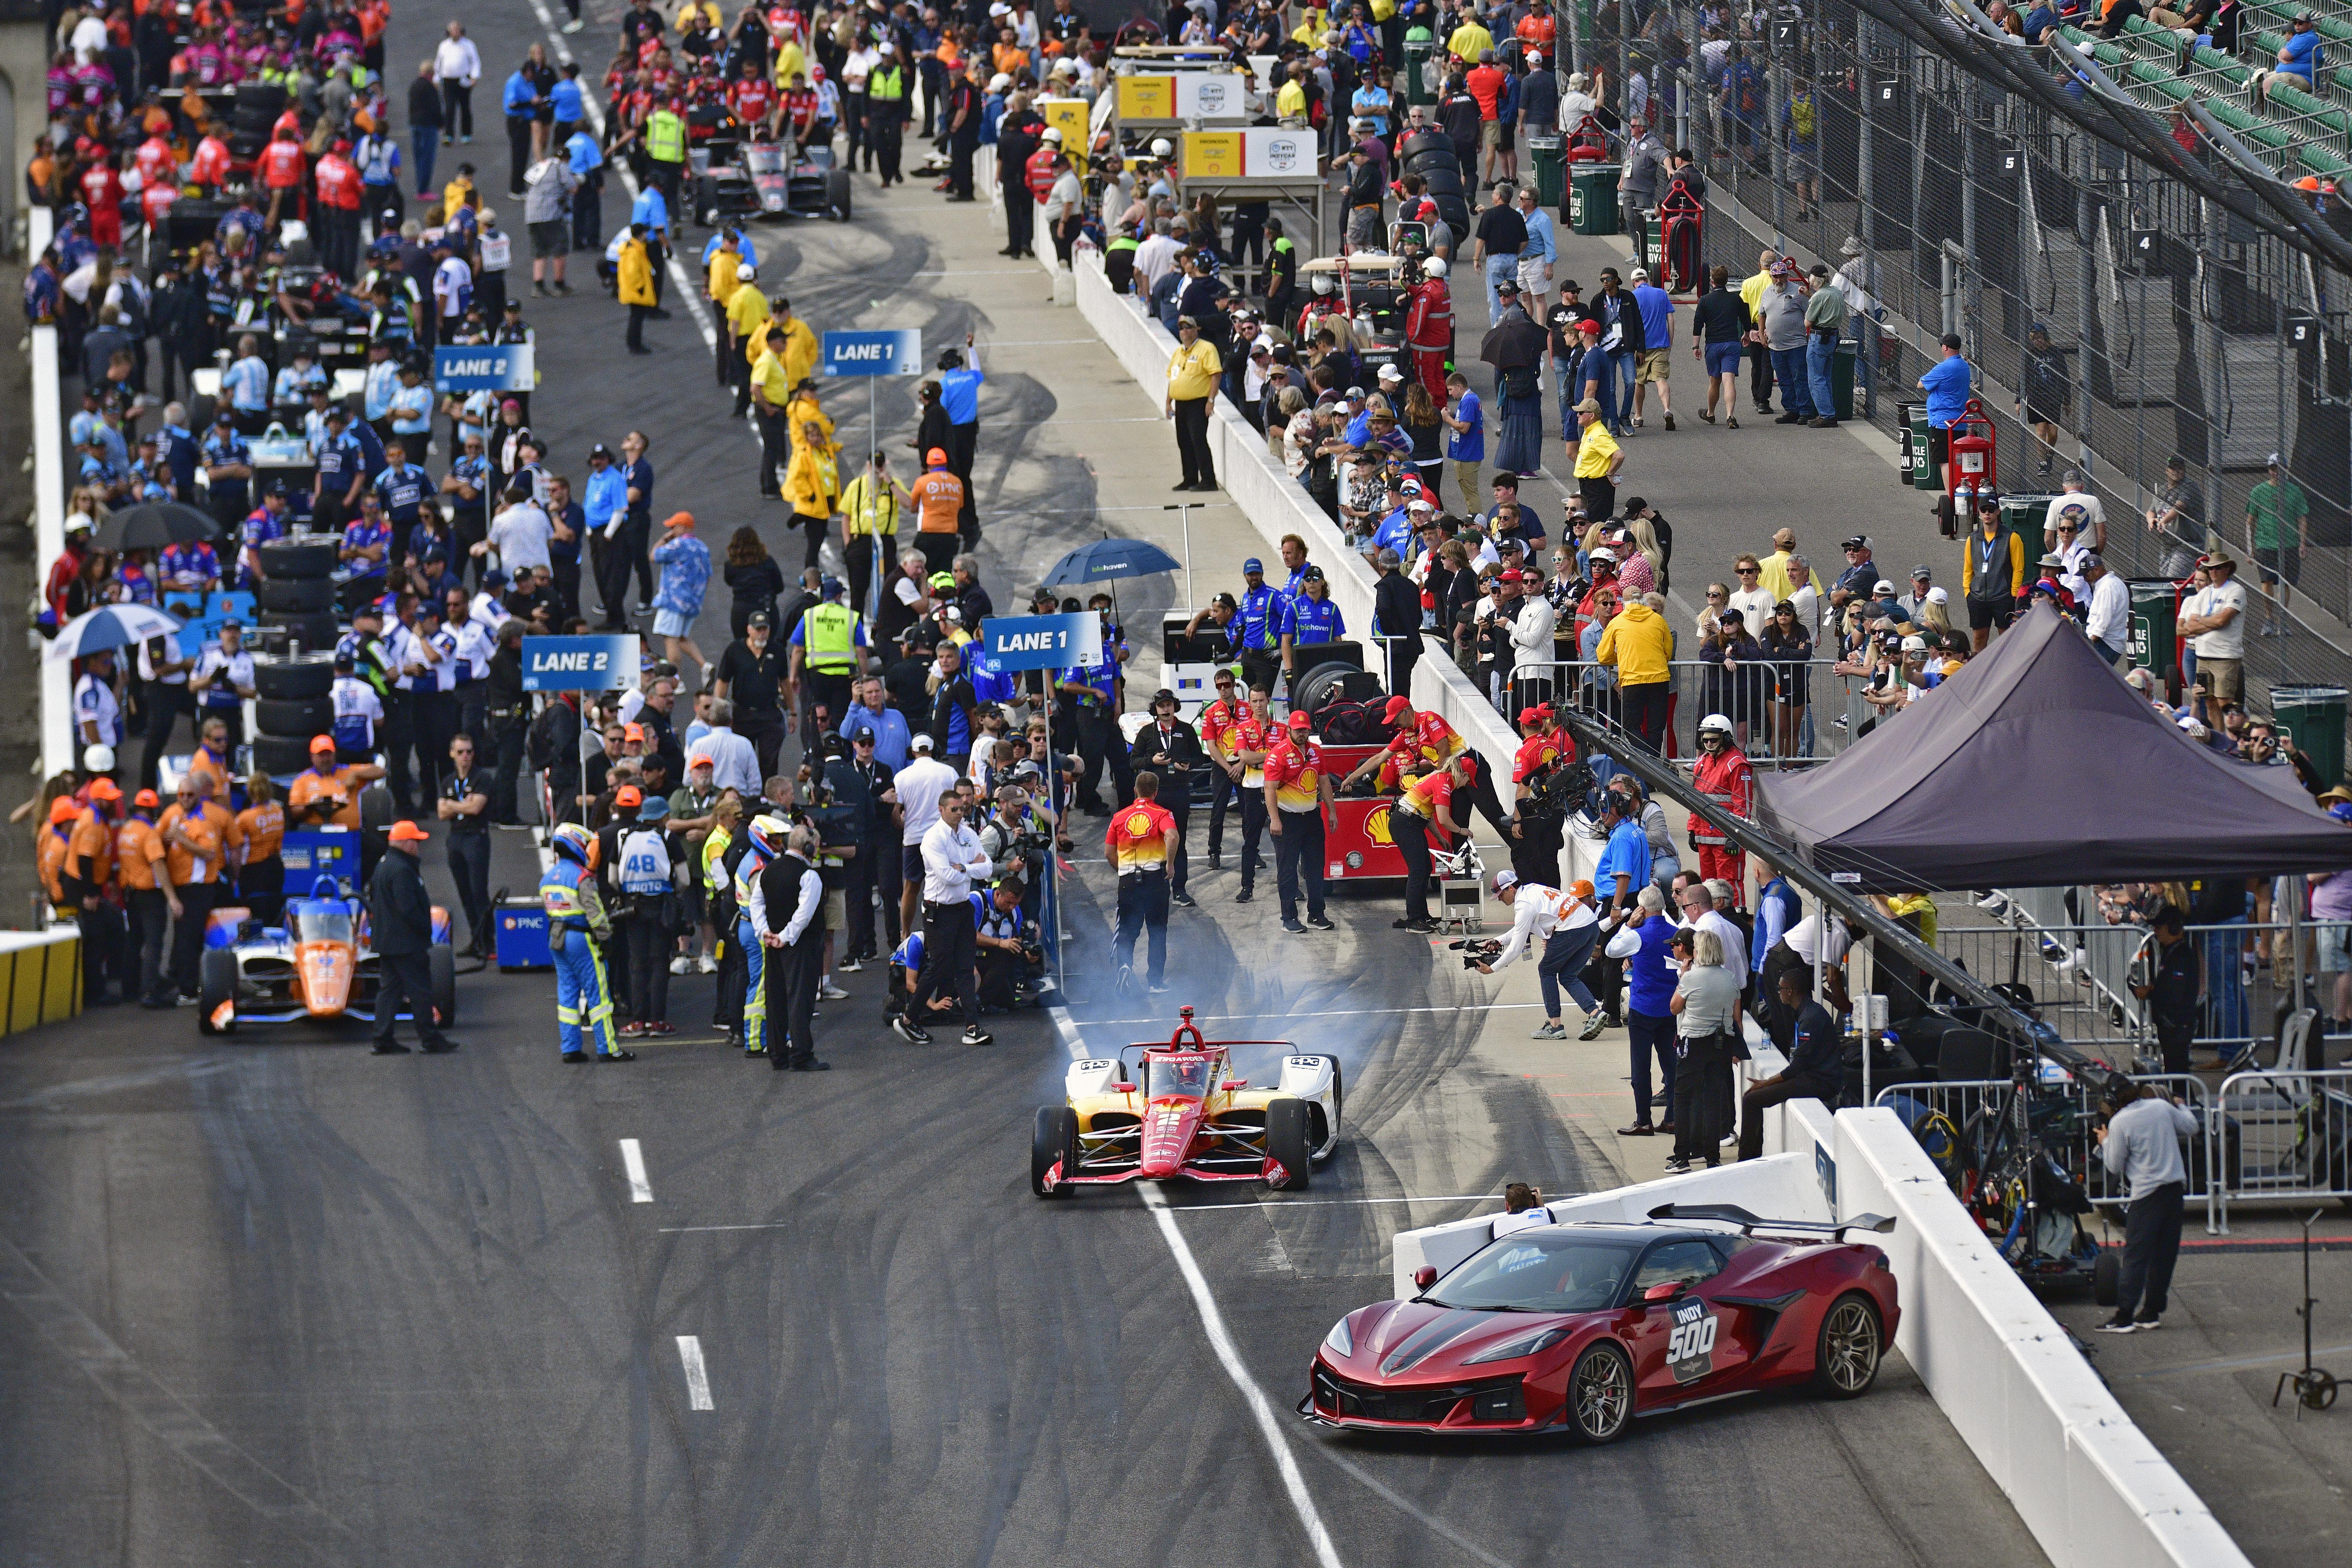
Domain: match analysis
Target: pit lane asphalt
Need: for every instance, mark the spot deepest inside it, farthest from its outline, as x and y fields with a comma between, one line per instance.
x=278, y=1301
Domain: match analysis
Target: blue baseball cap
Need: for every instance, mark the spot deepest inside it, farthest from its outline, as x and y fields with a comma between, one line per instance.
x=1252, y=565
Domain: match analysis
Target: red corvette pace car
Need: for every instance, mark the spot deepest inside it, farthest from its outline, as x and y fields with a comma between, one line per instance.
x=1580, y=1327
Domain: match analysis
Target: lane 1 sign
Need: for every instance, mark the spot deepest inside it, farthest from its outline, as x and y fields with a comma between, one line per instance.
x=872, y=353
x=579, y=664
x=1042, y=642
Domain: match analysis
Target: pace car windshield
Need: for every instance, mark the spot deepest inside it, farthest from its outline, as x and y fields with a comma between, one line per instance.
x=1540, y=1272
x=1185, y=1076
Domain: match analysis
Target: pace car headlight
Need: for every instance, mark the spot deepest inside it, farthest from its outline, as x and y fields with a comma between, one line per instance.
x=1526, y=1344
x=1340, y=1341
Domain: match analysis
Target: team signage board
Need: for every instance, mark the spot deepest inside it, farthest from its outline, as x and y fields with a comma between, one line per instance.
x=1145, y=97
x=1042, y=642
x=1258, y=152
x=1211, y=95
x=487, y=367
x=1067, y=115
x=579, y=664
x=872, y=353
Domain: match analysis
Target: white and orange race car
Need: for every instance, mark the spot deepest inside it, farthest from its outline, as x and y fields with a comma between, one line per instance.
x=318, y=965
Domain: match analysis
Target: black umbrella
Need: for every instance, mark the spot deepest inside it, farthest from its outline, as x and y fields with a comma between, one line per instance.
x=154, y=524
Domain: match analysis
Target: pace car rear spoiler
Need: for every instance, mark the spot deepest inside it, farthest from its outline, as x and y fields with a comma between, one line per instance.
x=1731, y=1213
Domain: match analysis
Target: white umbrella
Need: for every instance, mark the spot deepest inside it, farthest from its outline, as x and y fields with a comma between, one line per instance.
x=109, y=627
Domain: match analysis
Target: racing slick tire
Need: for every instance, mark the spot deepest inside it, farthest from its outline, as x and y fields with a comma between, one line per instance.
x=836, y=196
x=300, y=717
x=292, y=679
x=1285, y=1142
x=300, y=558
x=216, y=984
x=1056, y=1142
x=307, y=595
x=1849, y=1348
x=2107, y=1275
x=441, y=964
x=1600, y=1395
x=314, y=629
x=278, y=755
x=375, y=814
x=1339, y=1107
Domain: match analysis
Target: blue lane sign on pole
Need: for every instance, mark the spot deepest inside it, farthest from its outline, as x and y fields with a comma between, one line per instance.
x=579, y=664
x=872, y=353
x=1042, y=642
x=492, y=367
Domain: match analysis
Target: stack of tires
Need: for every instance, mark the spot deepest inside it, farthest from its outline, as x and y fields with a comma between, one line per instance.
x=295, y=604
x=258, y=105
x=1430, y=155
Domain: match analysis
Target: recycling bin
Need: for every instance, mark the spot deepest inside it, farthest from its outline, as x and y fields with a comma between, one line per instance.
x=2024, y=515
x=1926, y=473
x=2154, y=643
x=1416, y=70
x=2313, y=717
x=1548, y=154
x=1902, y=414
x=1842, y=378
x=1593, y=198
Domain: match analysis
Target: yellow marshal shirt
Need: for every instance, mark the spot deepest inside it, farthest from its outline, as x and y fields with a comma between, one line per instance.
x=1192, y=372
x=768, y=376
x=1594, y=447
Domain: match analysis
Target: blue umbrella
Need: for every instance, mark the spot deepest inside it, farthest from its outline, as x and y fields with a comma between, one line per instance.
x=109, y=627
x=1107, y=558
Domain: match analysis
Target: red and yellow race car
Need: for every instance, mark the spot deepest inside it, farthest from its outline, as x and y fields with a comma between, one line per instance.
x=1185, y=1117
x=1580, y=1327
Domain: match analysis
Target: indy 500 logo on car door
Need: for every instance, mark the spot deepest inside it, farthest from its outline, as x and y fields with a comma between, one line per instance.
x=1690, y=1346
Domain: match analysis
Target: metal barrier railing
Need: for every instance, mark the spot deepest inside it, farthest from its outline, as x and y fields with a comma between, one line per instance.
x=2279, y=1137
x=1813, y=731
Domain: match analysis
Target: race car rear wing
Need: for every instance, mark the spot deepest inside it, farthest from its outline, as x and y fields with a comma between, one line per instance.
x=1731, y=1213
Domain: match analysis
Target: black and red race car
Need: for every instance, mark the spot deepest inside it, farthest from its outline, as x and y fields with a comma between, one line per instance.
x=1580, y=1327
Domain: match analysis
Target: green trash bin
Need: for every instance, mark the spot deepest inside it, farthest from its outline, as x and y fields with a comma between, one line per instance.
x=1926, y=474
x=1593, y=198
x=1842, y=378
x=2155, y=639
x=1902, y=412
x=2024, y=515
x=1548, y=154
x=2313, y=717
x=1416, y=62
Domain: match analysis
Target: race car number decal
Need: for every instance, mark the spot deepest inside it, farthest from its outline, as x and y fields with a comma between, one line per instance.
x=1690, y=1346
x=1307, y=1064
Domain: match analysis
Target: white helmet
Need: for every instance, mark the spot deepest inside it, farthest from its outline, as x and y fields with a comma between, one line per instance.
x=1052, y=136
x=1434, y=267
x=1716, y=723
x=1162, y=148
x=98, y=758
x=768, y=835
x=1322, y=284
x=999, y=82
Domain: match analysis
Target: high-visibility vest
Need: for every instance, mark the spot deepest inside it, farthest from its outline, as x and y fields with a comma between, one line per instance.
x=886, y=84
x=665, y=138
x=830, y=634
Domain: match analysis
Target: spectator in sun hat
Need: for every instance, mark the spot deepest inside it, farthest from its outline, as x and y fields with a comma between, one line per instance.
x=2213, y=619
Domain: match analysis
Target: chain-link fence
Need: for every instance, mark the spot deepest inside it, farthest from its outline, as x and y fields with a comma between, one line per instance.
x=2177, y=326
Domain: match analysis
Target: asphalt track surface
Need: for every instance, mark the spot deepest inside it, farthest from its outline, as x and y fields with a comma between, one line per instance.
x=277, y=1301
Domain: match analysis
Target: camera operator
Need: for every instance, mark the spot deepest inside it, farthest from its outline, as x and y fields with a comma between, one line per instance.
x=1171, y=748
x=1010, y=957
x=2142, y=1141
x=1567, y=925
x=1013, y=841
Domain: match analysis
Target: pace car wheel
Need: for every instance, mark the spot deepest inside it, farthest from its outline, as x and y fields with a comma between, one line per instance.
x=1055, y=1142
x=1850, y=1347
x=2107, y=1275
x=216, y=988
x=1286, y=1140
x=441, y=964
x=1600, y=1394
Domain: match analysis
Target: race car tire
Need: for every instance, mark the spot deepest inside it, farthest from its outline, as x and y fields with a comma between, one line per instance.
x=836, y=195
x=313, y=629
x=1600, y=1395
x=441, y=964
x=300, y=558
x=1338, y=1102
x=278, y=755
x=1331, y=680
x=1419, y=141
x=291, y=679
x=2107, y=1275
x=375, y=814
x=307, y=595
x=1056, y=1142
x=217, y=984
x=1849, y=1348
x=1285, y=1142
x=300, y=717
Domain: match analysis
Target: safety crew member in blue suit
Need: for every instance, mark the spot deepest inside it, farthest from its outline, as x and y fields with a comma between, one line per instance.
x=576, y=924
x=767, y=835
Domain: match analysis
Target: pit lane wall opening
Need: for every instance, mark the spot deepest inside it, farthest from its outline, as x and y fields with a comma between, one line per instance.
x=1275, y=505
x=2088, y=1484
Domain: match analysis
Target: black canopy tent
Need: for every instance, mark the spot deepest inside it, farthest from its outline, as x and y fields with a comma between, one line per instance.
x=2037, y=766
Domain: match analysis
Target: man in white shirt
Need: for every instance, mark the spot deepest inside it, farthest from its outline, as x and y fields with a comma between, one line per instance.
x=1567, y=925
x=952, y=860
x=734, y=764
x=1752, y=601
x=920, y=784
x=1155, y=258
x=520, y=533
x=2214, y=622
x=2078, y=494
x=457, y=65
x=2109, y=627
x=1531, y=655
x=1523, y=1210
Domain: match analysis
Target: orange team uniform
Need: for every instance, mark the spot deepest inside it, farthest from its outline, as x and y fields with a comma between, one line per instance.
x=204, y=764
x=201, y=863
x=938, y=501
x=51, y=859
x=90, y=853
x=1137, y=837
x=1250, y=733
x=1296, y=771
x=1216, y=727
x=258, y=830
x=338, y=786
x=137, y=849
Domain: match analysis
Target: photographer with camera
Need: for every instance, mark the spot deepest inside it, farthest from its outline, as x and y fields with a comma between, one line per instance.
x=1011, y=958
x=1568, y=926
x=2142, y=1141
x=1171, y=748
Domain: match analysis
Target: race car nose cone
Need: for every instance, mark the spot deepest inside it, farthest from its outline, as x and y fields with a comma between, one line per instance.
x=1168, y=1130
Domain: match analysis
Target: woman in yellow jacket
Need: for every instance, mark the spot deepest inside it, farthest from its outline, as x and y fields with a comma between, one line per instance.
x=637, y=291
x=812, y=480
